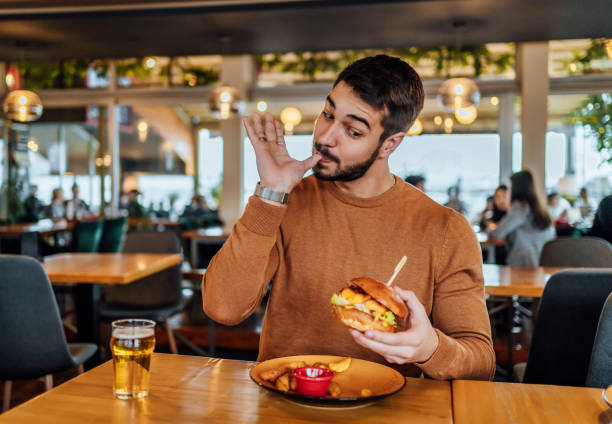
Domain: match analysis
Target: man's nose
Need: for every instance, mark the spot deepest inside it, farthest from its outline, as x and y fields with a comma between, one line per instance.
x=328, y=136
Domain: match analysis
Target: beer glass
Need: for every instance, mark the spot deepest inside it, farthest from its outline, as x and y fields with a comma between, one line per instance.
x=132, y=344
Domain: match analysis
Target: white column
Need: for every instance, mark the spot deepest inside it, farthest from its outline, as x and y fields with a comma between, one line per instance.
x=237, y=71
x=113, y=149
x=505, y=128
x=532, y=68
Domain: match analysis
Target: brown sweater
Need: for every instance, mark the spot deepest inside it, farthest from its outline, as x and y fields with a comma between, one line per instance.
x=313, y=246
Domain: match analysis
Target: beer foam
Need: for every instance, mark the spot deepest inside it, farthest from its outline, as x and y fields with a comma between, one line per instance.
x=132, y=333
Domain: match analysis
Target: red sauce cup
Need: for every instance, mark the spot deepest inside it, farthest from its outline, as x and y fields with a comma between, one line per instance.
x=312, y=381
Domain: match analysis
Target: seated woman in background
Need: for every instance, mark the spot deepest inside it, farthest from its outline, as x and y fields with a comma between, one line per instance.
x=602, y=223
x=527, y=226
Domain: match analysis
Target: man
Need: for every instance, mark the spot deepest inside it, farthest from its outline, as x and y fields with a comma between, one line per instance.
x=585, y=204
x=75, y=207
x=416, y=180
x=354, y=218
x=558, y=208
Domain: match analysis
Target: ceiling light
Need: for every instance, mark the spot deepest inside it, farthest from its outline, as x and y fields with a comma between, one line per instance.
x=143, y=130
x=448, y=125
x=466, y=115
x=225, y=101
x=291, y=118
x=150, y=62
x=458, y=93
x=494, y=101
x=22, y=106
x=262, y=106
x=437, y=120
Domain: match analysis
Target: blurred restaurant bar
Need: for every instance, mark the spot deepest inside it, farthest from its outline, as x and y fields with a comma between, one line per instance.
x=125, y=165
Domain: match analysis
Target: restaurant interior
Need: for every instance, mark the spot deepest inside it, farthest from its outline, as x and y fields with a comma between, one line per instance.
x=126, y=166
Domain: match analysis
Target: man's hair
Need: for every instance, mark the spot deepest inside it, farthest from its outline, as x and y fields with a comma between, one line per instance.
x=414, y=179
x=390, y=85
x=502, y=187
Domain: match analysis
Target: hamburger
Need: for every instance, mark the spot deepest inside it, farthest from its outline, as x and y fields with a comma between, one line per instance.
x=367, y=304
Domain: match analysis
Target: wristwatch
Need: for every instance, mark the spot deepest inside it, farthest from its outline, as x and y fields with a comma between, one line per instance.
x=269, y=194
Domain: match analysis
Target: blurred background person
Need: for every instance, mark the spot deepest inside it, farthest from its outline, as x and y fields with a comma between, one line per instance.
x=416, y=180
x=197, y=214
x=558, y=208
x=602, y=223
x=497, y=206
x=527, y=226
x=454, y=200
x=57, y=208
x=34, y=208
x=76, y=208
x=134, y=207
x=586, y=205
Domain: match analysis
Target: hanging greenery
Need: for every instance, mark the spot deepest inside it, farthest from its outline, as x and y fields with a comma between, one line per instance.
x=63, y=74
x=595, y=115
x=312, y=64
x=592, y=60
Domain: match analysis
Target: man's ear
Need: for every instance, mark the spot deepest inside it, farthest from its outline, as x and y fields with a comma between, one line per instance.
x=391, y=143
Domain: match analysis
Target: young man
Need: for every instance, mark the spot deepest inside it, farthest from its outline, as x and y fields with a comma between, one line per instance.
x=353, y=218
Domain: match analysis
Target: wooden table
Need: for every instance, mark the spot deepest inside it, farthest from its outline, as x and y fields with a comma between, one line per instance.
x=29, y=233
x=487, y=402
x=502, y=280
x=92, y=269
x=213, y=235
x=186, y=389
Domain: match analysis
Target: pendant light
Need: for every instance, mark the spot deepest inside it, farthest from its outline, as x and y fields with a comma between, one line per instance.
x=22, y=106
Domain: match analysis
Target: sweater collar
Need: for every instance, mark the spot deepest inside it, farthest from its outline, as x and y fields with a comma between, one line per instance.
x=367, y=202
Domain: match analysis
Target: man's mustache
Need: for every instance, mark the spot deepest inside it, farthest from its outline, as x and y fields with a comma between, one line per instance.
x=325, y=152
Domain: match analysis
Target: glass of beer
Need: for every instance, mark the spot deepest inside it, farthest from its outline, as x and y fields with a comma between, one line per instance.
x=132, y=344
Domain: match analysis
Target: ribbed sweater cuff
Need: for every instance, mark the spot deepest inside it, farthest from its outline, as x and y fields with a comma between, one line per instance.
x=261, y=217
x=439, y=361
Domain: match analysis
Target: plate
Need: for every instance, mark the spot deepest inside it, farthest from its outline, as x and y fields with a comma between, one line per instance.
x=606, y=394
x=381, y=380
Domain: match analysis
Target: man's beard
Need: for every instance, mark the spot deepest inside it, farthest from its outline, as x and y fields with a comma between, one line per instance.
x=351, y=173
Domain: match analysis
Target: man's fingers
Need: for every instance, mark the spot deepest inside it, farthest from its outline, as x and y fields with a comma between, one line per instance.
x=416, y=308
x=311, y=161
x=250, y=130
x=270, y=129
x=259, y=132
x=380, y=348
x=404, y=338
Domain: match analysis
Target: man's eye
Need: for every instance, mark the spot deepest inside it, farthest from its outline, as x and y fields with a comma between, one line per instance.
x=327, y=115
x=354, y=133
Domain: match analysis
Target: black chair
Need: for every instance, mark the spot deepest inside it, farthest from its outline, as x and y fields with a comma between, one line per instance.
x=32, y=341
x=600, y=368
x=113, y=233
x=156, y=297
x=565, y=327
x=587, y=252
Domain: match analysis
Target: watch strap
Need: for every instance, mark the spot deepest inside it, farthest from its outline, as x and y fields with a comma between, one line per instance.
x=269, y=194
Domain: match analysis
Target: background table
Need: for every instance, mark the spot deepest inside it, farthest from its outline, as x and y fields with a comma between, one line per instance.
x=29, y=234
x=214, y=236
x=92, y=269
x=486, y=402
x=502, y=280
x=187, y=389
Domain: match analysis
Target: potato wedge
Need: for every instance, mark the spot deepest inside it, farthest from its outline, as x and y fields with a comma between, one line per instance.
x=341, y=365
x=282, y=382
x=334, y=389
x=273, y=374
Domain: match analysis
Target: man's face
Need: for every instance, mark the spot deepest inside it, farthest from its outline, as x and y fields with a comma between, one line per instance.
x=501, y=199
x=347, y=135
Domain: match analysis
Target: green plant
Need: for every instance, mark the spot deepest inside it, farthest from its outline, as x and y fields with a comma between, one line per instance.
x=595, y=114
x=63, y=74
x=311, y=64
x=588, y=61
